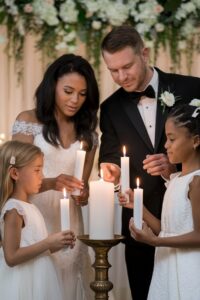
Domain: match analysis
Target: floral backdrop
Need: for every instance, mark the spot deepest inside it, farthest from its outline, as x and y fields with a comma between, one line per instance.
x=59, y=24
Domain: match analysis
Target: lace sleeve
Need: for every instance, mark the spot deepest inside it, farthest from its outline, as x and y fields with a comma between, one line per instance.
x=26, y=128
x=95, y=139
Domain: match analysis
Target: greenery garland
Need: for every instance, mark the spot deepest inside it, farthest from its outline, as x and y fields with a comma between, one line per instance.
x=59, y=24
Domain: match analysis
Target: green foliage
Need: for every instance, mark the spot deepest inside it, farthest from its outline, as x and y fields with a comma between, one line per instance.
x=59, y=24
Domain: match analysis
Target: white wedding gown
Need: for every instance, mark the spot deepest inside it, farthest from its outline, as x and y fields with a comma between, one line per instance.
x=74, y=265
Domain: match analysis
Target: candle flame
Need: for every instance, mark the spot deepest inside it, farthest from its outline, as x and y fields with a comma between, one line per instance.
x=138, y=182
x=64, y=193
x=124, y=150
x=81, y=145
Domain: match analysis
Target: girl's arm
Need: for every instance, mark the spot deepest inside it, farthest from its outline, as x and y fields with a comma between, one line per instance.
x=14, y=254
x=190, y=239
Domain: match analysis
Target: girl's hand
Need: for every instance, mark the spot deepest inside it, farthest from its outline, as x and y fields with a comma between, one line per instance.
x=68, y=182
x=123, y=199
x=60, y=240
x=144, y=235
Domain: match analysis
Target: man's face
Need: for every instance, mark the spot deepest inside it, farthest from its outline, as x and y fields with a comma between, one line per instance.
x=128, y=69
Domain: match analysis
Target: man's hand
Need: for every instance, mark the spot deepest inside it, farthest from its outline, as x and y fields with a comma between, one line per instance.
x=158, y=164
x=111, y=172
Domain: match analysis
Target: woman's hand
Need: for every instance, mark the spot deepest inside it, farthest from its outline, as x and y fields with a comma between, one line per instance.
x=144, y=235
x=69, y=182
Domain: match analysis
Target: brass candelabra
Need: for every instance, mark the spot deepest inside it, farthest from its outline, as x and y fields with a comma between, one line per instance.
x=101, y=286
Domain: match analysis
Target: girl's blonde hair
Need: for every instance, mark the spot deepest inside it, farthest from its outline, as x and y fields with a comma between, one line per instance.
x=14, y=154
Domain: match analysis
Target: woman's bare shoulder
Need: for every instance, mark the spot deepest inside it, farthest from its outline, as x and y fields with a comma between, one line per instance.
x=28, y=116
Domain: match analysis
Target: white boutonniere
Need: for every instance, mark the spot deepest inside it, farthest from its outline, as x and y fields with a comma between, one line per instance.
x=195, y=102
x=167, y=99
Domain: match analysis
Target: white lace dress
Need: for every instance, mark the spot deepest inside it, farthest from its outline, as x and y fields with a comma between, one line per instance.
x=176, y=274
x=36, y=278
x=73, y=265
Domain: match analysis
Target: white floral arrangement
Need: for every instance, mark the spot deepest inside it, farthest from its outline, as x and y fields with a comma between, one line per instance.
x=58, y=23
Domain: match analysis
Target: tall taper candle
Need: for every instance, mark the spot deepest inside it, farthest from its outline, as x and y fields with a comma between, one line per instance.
x=125, y=173
x=138, y=205
x=64, y=212
x=79, y=166
x=101, y=210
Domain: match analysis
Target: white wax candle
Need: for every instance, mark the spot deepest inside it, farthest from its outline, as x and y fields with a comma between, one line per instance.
x=79, y=166
x=101, y=210
x=64, y=212
x=138, y=206
x=125, y=173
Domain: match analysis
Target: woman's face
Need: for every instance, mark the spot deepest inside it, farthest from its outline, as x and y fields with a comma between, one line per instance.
x=70, y=94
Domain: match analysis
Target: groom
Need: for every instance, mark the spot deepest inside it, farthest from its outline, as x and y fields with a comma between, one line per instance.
x=135, y=116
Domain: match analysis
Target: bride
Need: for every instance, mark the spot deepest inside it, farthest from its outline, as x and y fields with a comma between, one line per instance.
x=67, y=102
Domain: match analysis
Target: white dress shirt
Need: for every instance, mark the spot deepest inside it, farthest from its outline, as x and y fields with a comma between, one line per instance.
x=147, y=108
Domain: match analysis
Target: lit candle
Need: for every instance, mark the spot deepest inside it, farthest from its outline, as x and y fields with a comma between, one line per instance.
x=125, y=175
x=101, y=210
x=138, y=205
x=79, y=166
x=64, y=211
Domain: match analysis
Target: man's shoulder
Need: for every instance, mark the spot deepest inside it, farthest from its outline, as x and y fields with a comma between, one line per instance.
x=176, y=76
x=113, y=98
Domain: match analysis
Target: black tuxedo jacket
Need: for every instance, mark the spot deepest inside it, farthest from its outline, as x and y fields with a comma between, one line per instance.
x=121, y=124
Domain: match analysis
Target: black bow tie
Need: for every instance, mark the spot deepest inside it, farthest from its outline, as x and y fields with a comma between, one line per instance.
x=149, y=92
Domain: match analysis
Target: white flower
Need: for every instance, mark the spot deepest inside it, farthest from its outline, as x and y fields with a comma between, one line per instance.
x=195, y=102
x=28, y=8
x=167, y=99
x=160, y=27
x=96, y=24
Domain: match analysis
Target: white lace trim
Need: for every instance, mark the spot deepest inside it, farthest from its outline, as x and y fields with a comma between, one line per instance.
x=27, y=128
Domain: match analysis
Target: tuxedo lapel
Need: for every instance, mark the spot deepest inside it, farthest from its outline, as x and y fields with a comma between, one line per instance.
x=161, y=116
x=133, y=114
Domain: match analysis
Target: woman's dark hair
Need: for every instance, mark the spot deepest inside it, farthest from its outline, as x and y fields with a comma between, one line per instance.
x=120, y=37
x=85, y=119
x=188, y=116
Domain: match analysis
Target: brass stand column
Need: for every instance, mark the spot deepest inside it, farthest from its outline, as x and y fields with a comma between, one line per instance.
x=101, y=286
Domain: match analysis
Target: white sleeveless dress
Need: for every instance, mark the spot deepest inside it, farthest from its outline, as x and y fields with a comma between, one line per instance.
x=74, y=265
x=176, y=274
x=35, y=279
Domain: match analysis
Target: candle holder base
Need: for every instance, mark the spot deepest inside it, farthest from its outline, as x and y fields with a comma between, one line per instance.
x=101, y=286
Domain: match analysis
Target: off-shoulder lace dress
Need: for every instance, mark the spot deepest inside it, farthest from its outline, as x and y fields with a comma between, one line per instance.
x=176, y=274
x=75, y=265
x=36, y=278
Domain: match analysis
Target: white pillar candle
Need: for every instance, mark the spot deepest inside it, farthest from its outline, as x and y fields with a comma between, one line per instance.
x=125, y=173
x=64, y=212
x=101, y=210
x=79, y=166
x=138, y=206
